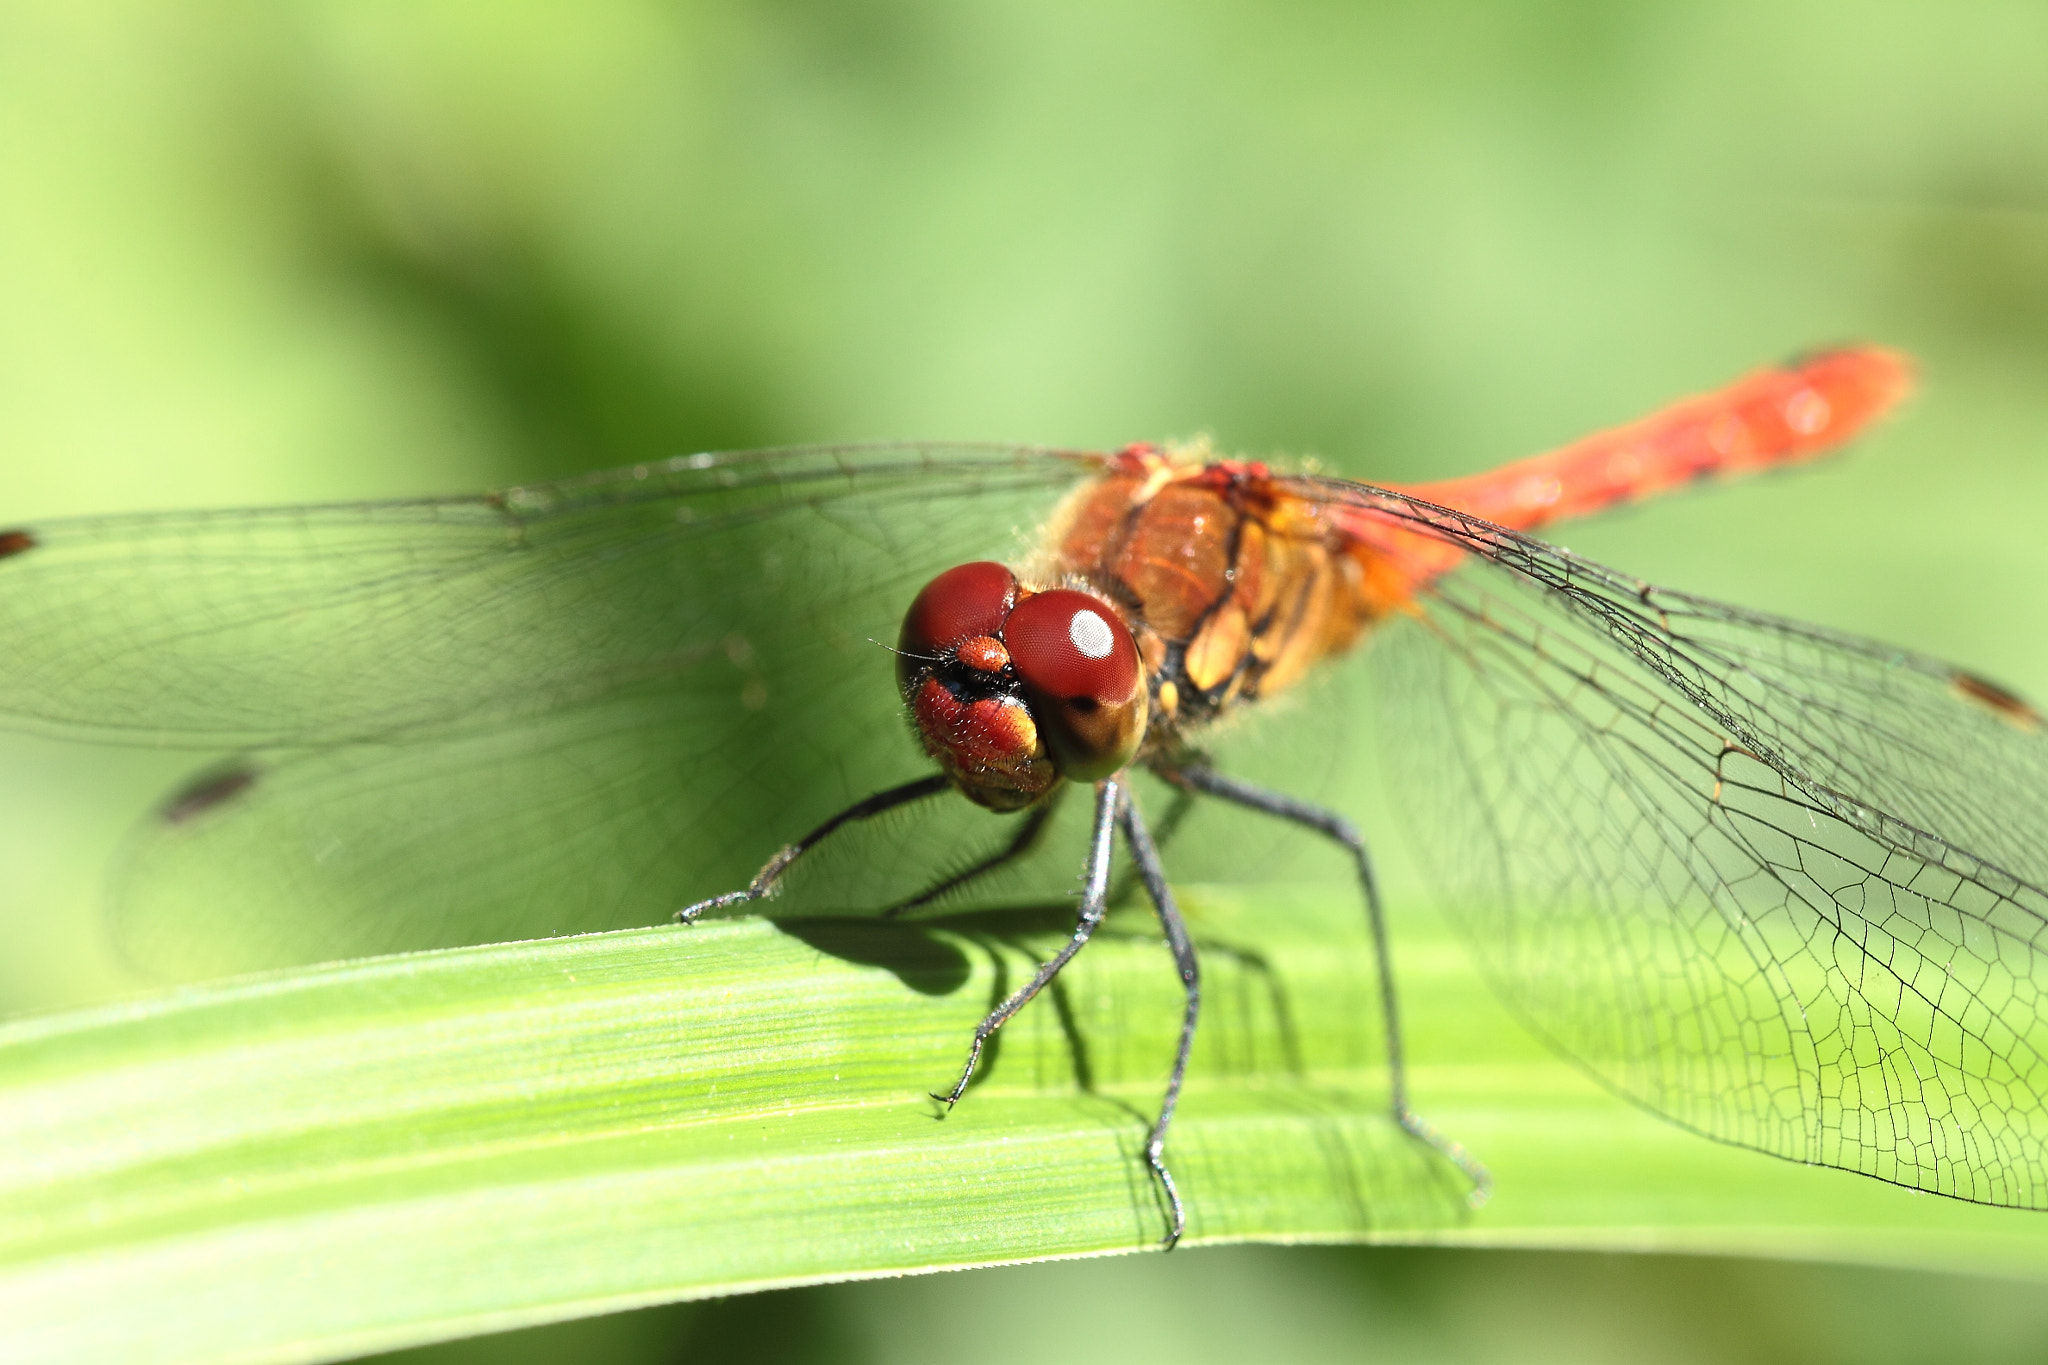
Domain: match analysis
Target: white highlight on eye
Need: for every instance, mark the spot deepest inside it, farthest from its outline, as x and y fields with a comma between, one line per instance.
x=1091, y=634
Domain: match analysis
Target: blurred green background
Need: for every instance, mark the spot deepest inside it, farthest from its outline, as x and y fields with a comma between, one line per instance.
x=286, y=252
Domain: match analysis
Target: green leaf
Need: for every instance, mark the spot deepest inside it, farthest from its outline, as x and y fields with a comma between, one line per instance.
x=399, y=1150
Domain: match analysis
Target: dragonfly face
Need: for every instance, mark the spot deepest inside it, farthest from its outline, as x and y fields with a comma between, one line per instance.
x=1013, y=690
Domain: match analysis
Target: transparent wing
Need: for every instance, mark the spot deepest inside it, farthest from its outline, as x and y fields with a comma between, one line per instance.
x=560, y=708
x=310, y=625
x=1781, y=885
x=605, y=815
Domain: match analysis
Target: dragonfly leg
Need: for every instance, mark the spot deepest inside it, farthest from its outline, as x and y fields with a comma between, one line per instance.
x=1162, y=830
x=1146, y=855
x=771, y=873
x=1021, y=843
x=1207, y=781
x=1109, y=795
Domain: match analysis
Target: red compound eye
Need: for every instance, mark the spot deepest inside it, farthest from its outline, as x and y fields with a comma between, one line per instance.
x=1068, y=644
x=961, y=603
x=1081, y=674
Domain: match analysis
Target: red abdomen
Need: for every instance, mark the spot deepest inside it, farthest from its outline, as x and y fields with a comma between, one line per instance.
x=1234, y=581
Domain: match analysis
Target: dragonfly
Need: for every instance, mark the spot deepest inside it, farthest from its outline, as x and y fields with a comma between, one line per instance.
x=1780, y=884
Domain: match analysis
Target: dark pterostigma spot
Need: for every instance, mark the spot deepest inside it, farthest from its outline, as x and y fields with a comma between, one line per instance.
x=206, y=792
x=928, y=965
x=1990, y=695
x=14, y=543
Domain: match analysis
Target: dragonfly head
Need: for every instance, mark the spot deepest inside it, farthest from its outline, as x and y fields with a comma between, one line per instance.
x=1013, y=690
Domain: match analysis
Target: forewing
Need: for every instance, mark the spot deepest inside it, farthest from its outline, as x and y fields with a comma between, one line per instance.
x=311, y=625
x=1779, y=884
x=560, y=708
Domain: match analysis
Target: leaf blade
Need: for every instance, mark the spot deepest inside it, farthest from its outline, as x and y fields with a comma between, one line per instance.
x=397, y=1150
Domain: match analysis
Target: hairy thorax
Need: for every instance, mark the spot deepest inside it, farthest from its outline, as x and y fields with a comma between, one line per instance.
x=1231, y=588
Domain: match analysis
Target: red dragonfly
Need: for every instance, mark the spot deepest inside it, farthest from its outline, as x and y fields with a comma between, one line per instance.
x=1782, y=885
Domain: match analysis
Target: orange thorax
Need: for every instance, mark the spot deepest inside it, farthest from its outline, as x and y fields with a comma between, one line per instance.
x=1232, y=586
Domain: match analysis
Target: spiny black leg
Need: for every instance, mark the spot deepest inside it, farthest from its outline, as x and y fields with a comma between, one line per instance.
x=1177, y=812
x=1146, y=856
x=1021, y=843
x=1094, y=903
x=765, y=880
x=1329, y=824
